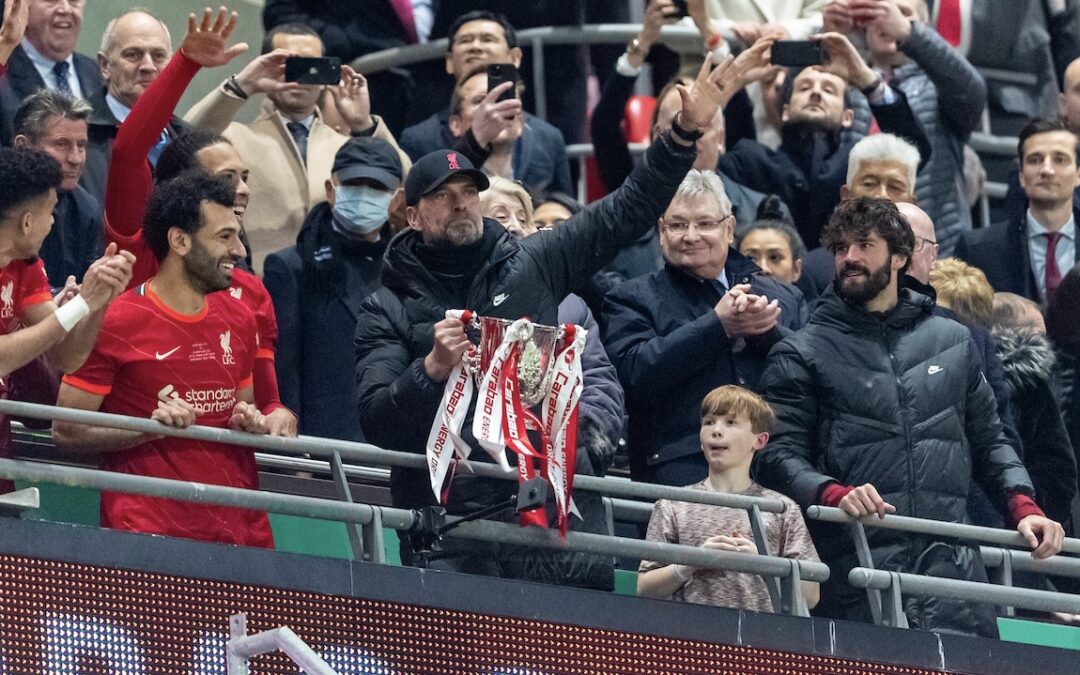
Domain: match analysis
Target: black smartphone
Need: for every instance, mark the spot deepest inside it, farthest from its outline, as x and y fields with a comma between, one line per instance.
x=681, y=9
x=797, y=53
x=313, y=69
x=503, y=72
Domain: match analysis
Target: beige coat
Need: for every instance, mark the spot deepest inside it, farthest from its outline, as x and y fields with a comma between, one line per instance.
x=283, y=190
x=801, y=18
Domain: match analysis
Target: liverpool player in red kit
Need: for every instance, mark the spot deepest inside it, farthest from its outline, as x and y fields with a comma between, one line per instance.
x=176, y=351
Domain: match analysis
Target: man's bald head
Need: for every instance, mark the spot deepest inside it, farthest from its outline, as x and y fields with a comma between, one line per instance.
x=926, y=248
x=1070, y=97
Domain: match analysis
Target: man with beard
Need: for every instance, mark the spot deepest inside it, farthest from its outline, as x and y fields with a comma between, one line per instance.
x=819, y=130
x=176, y=351
x=881, y=408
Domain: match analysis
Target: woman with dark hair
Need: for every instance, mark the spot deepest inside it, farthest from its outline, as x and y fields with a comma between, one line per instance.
x=773, y=243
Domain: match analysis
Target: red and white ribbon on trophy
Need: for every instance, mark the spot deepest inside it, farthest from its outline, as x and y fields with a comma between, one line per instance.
x=560, y=417
x=501, y=420
x=444, y=440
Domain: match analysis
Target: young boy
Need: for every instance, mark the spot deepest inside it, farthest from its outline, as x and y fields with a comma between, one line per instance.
x=735, y=424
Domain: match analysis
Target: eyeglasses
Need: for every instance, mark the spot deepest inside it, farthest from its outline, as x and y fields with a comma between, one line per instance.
x=683, y=226
x=921, y=242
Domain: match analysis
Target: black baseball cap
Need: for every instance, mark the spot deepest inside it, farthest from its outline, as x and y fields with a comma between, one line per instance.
x=434, y=169
x=367, y=157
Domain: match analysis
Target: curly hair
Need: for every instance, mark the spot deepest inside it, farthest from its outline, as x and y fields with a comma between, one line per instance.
x=858, y=218
x=178, y=203
x=25, y=175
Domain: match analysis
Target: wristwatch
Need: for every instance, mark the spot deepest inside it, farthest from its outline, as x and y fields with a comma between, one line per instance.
x=678, y=130
x=633, y=48
x=233, y=87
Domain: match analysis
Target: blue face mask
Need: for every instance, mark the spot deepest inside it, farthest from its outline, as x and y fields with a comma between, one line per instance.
x=360, y=208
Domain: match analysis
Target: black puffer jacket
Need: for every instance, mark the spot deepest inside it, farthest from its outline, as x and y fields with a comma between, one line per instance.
x=899, y=402
x=517, y=277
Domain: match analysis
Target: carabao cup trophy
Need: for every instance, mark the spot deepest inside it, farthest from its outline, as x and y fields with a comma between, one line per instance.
x=518, y=366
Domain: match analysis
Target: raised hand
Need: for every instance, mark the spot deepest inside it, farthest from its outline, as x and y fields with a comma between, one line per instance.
x=884, y=16
x=836, y=17
x=353, y=100
x=493, y=116
x=205, y=42
x=755, y=63
x=706, y=95
x=16, y=14
x=744, y=314
x=265, y=74
x=106, y=278
x=844, y=61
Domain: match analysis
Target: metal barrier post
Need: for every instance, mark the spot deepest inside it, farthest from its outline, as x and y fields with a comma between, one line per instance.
x=539, y=89
x=776, y=593
x=374, y=544
x=862, y=550
x=341, y=486
x=793, y=601
x=1007, y=577
x=893, y=611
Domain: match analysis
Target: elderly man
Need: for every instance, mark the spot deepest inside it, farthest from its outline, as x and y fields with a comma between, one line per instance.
x=55, y=123
x=289, y=146
x=706, y=319
x=881, y=408
x=47, y=59
x=134, y=50
x=1031, y=252
x=882, y=166
x=451, y=257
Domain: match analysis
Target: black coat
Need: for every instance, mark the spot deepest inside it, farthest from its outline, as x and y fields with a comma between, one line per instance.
x=77, y=237
x=23, y=79
x=1001, y=252
x=899, y=402
x=103, y=126
x=809, y=167
x=671, y=350
x=514, y=278
x=1028, y=362
x=316, y=326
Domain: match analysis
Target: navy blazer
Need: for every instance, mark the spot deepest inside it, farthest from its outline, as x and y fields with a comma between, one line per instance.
x=77, y=237
x=539, y=155
x=670, y=349
x=1001, y=252
x=102, y=131
x=23, y=79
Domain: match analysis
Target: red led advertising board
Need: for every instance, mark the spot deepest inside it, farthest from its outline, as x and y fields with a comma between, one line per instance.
x=62, y=617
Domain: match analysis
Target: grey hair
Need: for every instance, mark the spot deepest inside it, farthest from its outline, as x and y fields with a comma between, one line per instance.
x=106, y=37
x=704, y=182
x=882, y=147
x=37, y=108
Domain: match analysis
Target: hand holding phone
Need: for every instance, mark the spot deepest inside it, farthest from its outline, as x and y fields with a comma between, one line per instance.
x=503, y=72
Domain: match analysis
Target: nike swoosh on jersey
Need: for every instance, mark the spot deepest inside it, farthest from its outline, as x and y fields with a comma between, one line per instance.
x=499, y=299
x=161, y=357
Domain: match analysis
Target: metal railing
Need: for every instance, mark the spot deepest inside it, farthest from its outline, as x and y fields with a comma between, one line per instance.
x=889, y=610
x=782, y=575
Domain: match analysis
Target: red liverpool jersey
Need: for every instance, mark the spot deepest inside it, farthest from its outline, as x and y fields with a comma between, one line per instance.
x=145, y=352
x=23, y=284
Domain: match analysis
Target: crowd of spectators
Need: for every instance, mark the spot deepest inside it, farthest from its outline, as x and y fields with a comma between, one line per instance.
x=785, y=295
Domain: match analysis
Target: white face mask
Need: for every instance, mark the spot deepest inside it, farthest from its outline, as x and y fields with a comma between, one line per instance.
x=360, y=208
